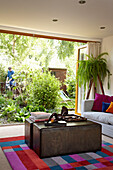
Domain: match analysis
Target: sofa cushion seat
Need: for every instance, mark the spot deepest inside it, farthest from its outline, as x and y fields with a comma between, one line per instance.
x=103, y=118
x=99, y=116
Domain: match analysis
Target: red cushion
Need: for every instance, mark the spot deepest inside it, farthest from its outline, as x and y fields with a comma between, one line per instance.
x=99, y=98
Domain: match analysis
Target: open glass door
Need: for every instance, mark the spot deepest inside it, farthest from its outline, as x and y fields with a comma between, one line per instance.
x=80, y=92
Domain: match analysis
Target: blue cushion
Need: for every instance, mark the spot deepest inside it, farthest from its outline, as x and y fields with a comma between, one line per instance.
x=105, y=106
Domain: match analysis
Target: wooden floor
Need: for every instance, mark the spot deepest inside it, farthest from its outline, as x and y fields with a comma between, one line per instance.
x=4, y=164
x=107, y=139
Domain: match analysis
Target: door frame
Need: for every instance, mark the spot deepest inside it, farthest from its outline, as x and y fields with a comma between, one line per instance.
x=77, y=65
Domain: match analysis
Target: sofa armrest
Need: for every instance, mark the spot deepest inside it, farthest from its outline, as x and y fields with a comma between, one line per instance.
x=87, y=105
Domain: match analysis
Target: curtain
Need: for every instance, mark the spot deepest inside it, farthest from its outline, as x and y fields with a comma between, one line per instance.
x=94, y=48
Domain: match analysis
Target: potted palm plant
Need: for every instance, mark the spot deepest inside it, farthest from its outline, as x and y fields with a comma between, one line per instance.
x=93, y=69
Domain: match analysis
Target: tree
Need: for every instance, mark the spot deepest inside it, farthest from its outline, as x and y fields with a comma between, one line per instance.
x=16, y=47
x=46, y=51
x=65, y=49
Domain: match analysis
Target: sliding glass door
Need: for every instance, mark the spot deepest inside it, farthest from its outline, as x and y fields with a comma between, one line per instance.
x=80, y=91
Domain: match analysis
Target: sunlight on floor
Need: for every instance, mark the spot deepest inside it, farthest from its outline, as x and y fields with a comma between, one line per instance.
x=10, y=131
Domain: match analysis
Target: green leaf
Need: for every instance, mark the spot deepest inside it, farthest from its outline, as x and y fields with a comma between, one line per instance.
x=92, y=68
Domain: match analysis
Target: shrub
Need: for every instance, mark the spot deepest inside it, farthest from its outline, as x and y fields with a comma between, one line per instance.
x=11, y=112
x=2, y=101
x=44, y=90
x=70, y=83
x=71, y=87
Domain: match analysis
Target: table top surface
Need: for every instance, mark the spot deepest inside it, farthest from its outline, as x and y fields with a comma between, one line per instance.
x=41, y=125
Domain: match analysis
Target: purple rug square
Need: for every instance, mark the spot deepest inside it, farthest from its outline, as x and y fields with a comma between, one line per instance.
x=25, y=148
x=99, y=165
x=109, y=158
x=66, y=166
x=14, y=161
x=103, y=144
x=77, y=157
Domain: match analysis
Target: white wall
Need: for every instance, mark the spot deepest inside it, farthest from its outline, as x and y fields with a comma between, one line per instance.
x=107, y=46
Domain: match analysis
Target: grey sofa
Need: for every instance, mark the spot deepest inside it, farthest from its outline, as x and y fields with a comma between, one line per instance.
x=105, y=119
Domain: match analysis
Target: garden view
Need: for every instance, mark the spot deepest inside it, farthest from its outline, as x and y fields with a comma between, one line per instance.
x=36, y=88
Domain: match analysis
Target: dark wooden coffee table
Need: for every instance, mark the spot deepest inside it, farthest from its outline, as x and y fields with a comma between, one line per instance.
x=29, y=133
x=75, y=137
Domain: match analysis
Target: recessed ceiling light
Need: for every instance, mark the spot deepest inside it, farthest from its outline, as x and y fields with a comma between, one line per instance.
x=55, y=20
x=102, y=28
x=82, y=2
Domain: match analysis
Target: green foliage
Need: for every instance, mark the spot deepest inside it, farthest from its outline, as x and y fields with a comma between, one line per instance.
x=44, y=90
x=9, y=94
x=65, y=49
x=41, y=93
x=7, y=108
x=37, y=91
x=2, y=101
x=71, y=87
x=22, y=78
x=91, y=69
x=35, y=107
x=10, y=111
x=68, y=104
x=70, y=83
x=21, y=100
x=47, y=52
x=21, y=114
x=16, y=47
x=3, y=73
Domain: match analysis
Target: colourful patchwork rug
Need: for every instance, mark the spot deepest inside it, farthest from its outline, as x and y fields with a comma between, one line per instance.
x=21, y=157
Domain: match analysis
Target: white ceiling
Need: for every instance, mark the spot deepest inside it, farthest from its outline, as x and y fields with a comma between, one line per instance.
x=74, y=20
